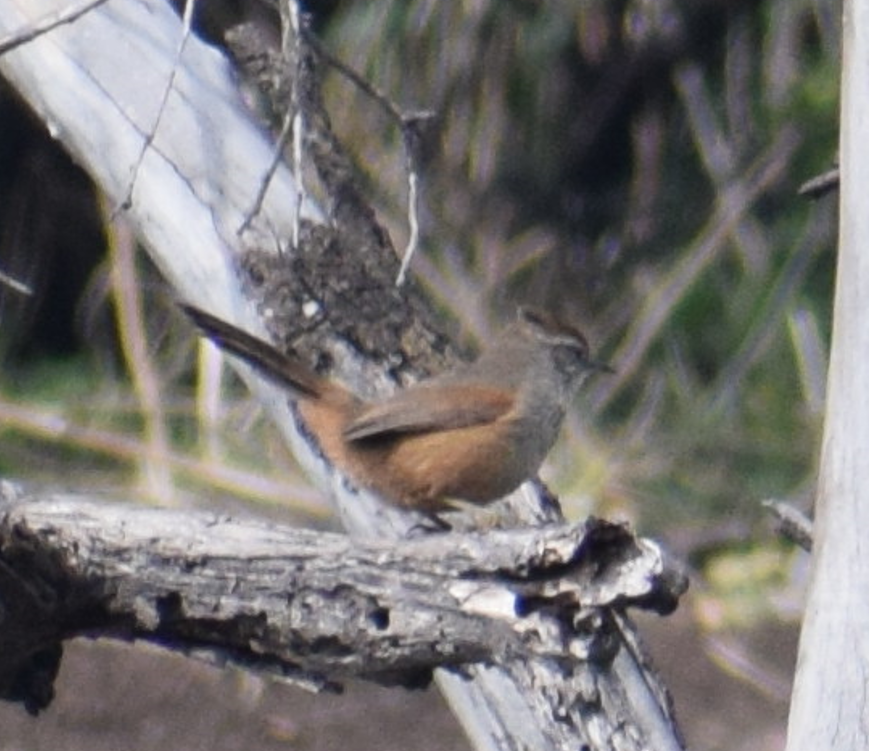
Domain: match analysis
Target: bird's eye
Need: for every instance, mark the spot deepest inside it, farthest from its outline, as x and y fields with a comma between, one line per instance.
x=580, y=349
x=568, y=356
x=578, y=346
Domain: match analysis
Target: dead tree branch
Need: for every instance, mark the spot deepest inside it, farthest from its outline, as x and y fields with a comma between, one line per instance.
x=313, y=607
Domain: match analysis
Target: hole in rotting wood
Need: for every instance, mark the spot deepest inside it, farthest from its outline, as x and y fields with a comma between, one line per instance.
x=169, y=608
x=379, y=617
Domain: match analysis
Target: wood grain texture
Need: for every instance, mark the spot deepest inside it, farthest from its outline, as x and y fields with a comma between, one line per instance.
x=309, y=606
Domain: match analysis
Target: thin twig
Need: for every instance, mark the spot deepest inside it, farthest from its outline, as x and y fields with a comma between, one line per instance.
x=187, y=20
x=413, y=221
x=415, y=131
x=293, y=124
x=256, y=207
x=45, y=24
x=358, y=80
x=14, y=284
x=295, y=25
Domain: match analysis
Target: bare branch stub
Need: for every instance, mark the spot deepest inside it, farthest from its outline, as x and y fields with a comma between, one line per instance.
x=793, y=524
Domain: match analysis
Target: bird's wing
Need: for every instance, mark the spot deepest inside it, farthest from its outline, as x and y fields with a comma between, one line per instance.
x=427, y=408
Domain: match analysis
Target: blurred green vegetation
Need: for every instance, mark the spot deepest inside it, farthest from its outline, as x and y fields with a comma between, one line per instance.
x=632, y=165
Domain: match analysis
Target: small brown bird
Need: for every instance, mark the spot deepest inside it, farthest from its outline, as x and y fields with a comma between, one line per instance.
x=473, y=434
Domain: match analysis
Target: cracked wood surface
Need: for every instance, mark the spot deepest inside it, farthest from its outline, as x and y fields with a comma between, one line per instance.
x=310, y=605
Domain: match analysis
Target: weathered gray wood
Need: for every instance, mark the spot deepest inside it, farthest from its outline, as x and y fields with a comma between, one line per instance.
x=312, y=604
x=830, y=705
x=97, y=84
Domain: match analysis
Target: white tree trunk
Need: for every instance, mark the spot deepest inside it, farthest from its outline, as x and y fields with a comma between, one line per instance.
x=830, y=707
